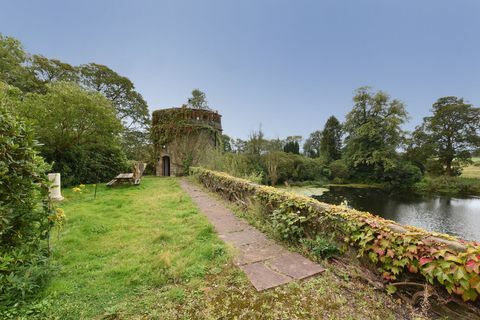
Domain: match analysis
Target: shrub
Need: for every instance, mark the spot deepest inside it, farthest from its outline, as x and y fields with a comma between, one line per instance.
x=25, y=211
x=89, y=164
x=321, y=247
x=403, y=175
x=339, y=171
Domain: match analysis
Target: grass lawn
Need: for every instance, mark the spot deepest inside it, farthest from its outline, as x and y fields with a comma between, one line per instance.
x=472, y=171
x=147, y=253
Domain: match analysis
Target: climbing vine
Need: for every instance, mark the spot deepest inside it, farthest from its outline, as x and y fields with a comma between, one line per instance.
x=171, y=123
x=395, y=249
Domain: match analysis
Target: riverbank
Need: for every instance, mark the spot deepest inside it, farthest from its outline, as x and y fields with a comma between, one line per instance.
x=398, y=252
x=452, y=186
x=146, y=252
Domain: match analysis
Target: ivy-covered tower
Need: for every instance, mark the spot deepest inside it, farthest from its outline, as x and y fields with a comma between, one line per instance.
x=181, y=136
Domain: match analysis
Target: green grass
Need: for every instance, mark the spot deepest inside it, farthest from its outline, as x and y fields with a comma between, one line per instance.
x=126, y=242
x=147, y=253
x=472, y=171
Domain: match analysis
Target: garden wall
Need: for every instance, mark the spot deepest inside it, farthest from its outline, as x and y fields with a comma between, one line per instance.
x=394, y=248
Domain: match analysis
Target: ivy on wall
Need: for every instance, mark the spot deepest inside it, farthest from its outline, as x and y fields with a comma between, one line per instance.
x=167, y=124
x=395, y=249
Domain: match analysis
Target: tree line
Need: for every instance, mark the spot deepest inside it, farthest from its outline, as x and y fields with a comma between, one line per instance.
x=88, y=118
x=369, y=146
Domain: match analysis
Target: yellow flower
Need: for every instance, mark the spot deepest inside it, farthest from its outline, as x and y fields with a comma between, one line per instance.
x=82, y=186
x=76, y=189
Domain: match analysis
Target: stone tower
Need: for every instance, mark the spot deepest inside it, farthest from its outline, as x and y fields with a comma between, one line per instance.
x=181, y=136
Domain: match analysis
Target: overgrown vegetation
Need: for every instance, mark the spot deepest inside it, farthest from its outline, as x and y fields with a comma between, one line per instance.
x=396, y=250
x=89, y=119
x=146, y=252
x=369, y=147
x=26, y=215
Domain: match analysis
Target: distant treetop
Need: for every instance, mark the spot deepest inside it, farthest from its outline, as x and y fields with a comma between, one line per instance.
x=198, y=100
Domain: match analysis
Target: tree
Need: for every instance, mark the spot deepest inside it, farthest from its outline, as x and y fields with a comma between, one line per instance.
x=130, y=107
x=331, y=139
x=451, y=133
x=198, y=100
x=13, y=65
x=373, y=132
x=292, y=144
x=51, y=70
x=79, y=132
x=272, y=159
x=239, y=145
x=311, y=147
x=227, y=143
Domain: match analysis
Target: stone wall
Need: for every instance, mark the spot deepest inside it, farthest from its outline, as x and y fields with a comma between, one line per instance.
x=181, y=136
x=396, y=249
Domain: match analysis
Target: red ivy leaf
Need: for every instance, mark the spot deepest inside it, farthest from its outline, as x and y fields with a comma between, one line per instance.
x=424, y=260
x=412, y=268
x=472, y=266
x=379, y=251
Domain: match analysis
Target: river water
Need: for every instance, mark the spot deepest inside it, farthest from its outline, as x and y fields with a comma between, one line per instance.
x=458, y=216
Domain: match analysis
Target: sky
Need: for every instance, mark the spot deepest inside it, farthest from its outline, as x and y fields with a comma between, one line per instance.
x=284, y=65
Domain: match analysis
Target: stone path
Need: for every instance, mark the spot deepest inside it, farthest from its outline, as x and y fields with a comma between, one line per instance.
x=266, y=263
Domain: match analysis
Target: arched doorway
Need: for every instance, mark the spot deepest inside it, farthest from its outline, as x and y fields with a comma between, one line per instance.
x=166, y=166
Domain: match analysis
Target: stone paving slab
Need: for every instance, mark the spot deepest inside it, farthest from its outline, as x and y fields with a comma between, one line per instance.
x=257, y=252
x=262, y=277
x=294, y=265
x=265, y=263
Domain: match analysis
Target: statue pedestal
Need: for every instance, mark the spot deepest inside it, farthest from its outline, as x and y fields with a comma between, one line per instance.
x=55, y=188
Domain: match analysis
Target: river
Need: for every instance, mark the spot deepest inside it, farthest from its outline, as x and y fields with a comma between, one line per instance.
x=458, y=216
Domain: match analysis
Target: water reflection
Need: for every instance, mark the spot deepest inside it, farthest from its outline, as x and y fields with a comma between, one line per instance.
x=455, y=216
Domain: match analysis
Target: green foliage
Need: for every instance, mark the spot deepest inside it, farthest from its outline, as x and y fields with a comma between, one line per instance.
x=227, y=143
x=331, y=141
x=448, y=185
x=13, y=65
x=292, y=147
x=25, y=210
x=321, y=247
x=395, y=249
x=339, y=171
x=288, y=224
x=402, y=175
x=52, y=70
x=34, y=74
x=373, y=133
x=79, y=132
x=130, y=107
x=198, y=100
x=311, y=147
x=451, y=133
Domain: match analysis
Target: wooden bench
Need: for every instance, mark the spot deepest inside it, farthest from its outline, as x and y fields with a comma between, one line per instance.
x=133, y=178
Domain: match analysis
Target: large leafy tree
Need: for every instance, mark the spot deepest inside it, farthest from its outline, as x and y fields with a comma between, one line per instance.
x=331, y=141
x=130, y=106
x=451, y=133
x=374, y=133
x=311, y=147
x=14, y=65
x=131, y=109
x=79, y=132
x=51, y=70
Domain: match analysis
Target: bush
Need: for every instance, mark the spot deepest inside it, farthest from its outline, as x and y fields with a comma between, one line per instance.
x=404, y=175
x=448, y=185
x=89, y=164
x=24, y=210
x=321, y=247
x=339, y=171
